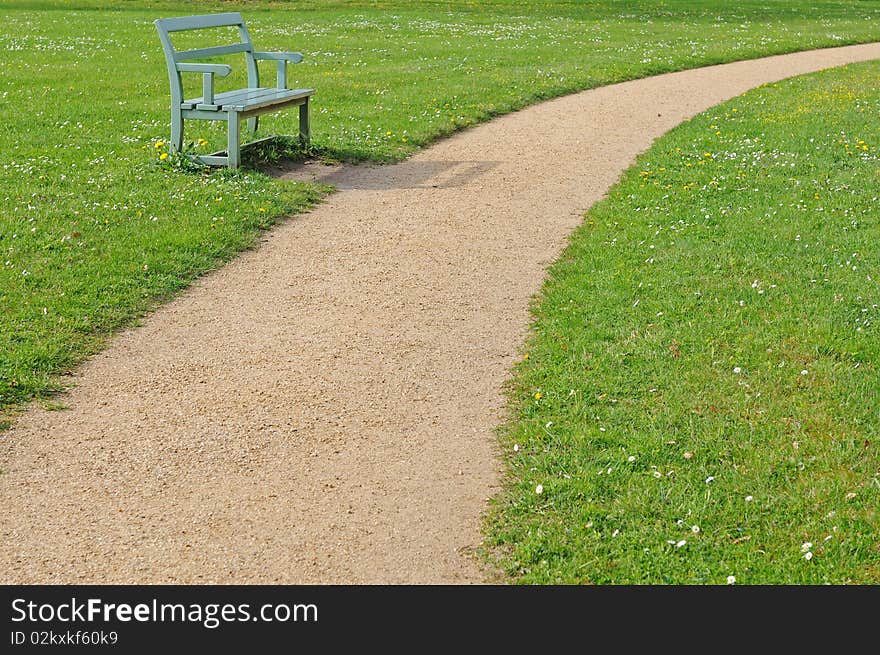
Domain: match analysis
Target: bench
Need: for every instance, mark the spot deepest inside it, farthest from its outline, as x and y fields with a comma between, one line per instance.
x=230, y=106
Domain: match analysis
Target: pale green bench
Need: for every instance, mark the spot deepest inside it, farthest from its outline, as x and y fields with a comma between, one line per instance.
x=230, y=106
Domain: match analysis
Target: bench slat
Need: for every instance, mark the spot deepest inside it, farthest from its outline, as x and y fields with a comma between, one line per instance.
x=280, y=95
x=225, y=97
x=238, y=98
x=244, y=99
x=215, y=51
x=198, y=22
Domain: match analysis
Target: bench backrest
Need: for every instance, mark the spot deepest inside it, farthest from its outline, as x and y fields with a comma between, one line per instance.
x=166, y=26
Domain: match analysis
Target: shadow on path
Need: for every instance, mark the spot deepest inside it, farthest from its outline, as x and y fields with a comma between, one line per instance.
x=410, y=174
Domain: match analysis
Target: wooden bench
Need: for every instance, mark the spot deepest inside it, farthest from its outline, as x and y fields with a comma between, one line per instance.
x=230, y=106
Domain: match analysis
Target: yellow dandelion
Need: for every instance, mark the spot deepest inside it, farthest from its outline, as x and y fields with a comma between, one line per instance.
x=160, y=144
x=163, y=156
x=538, y=396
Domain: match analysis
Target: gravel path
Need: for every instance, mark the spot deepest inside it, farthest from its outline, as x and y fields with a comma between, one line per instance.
x=321, y=409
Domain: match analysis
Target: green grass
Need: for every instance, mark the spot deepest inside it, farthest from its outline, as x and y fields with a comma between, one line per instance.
x=93, y=233
x=705, y=353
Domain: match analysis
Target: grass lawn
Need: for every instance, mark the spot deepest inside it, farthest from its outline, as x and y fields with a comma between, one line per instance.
x=93, y=233
x=701, y=395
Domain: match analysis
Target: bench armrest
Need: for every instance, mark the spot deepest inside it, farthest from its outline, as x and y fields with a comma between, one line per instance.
x=283, y=58
x=208, y=72
x=216, y=69
x=292, y=57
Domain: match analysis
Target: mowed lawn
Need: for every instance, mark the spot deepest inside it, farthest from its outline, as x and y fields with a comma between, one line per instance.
x=93, y=233
x=701, y=393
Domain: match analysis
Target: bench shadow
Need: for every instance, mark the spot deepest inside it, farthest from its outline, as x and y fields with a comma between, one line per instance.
x=377, y=177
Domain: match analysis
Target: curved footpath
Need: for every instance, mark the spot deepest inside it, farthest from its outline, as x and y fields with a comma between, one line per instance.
x=322, y=408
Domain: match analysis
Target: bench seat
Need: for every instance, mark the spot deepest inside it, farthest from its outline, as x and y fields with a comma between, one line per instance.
x=242, y=100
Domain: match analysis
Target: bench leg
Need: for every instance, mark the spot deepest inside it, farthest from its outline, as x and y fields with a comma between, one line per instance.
x=233, y=153
x=304, y=127
x=253, y=123
x=176, y=131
